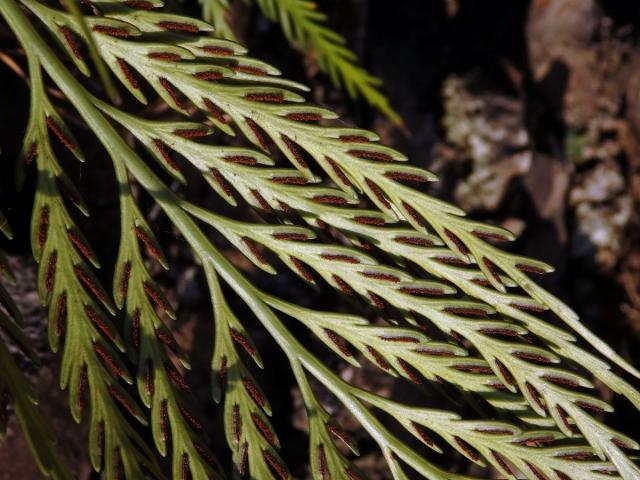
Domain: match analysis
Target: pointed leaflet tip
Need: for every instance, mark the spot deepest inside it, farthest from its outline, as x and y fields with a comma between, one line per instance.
x=5, y=228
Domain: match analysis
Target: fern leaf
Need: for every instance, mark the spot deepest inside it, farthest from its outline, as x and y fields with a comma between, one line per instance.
x=358, y=275
x=216, y=12
x=512, y=362
x=5, y=228
x=41, y=441
x=15, y=388
x=160, y=384
x=350, y=158
x=77, y=304
x=207, y=252
x=249, y=432
x=304, y=26
x=504, y=446
x=239, y=93
x=302, y=23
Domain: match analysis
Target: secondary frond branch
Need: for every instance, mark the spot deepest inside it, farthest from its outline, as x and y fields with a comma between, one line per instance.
x=15, y=388
x=518, y=365
x=77, y=303
x=249, y=432
x=160, y=384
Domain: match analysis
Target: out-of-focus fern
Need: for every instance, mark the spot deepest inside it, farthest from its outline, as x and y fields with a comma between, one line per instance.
x=15, y=388
x=305, y=27
x=216, y=12
x=5, y=228
x=492, y=343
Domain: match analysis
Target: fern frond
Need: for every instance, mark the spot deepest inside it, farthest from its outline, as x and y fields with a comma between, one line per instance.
x=499, y=443
x=160, y=384
x=11, y=317
x=518, y=365
x=304, y=26
x=17, y=391
x=15, y=388
x=5, y=228
x=155, y=383
x=510, y=363
x=350, y=157
x=77, y=303
x=249, y=432
x=201, y=245
x=238, y=93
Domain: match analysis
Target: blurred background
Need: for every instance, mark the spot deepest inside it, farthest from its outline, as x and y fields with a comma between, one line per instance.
x=529, y=111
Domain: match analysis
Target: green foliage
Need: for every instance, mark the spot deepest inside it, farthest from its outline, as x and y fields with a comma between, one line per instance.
x=79, y=308
x=304, y=26
x=15, y=388
x=216, y=12
x=336, y=208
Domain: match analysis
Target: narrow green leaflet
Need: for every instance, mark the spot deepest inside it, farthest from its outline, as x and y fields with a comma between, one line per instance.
x=15, y=388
